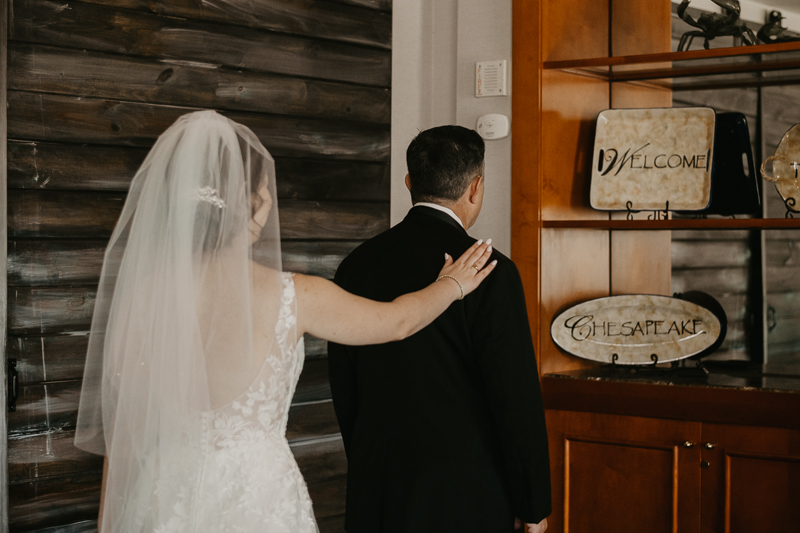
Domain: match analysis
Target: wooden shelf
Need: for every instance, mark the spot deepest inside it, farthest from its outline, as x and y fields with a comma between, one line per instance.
x=743, y=66
x=701, y=224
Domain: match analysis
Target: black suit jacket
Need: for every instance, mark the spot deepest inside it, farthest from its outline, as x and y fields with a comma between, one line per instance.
x=445, y=430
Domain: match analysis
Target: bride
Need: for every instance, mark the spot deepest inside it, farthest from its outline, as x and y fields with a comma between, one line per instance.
x=197, y=341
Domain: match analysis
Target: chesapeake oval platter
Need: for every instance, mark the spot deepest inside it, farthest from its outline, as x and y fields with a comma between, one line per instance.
x=635, y=326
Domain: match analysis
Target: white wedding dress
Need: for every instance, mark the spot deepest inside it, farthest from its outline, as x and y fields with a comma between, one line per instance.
x=235, y=470
x=192, y=313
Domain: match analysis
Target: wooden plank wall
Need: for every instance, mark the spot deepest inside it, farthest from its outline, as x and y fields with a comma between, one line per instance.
x=3, y=257
x=723, y=262
x=91, y=84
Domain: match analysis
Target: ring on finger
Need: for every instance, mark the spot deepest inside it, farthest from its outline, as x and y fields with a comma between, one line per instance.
x=476, y=267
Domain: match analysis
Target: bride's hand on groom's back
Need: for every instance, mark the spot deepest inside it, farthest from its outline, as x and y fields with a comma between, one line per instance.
x=541, y=527
x=470, y=269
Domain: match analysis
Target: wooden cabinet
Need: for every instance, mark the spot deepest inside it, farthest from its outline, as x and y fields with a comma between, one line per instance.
x=632, y=474
x=623, y=474
x=752, y=481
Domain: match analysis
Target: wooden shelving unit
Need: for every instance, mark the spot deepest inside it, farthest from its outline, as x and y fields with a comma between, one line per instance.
x=643, y=442
x=750, y=66
x=676, y=224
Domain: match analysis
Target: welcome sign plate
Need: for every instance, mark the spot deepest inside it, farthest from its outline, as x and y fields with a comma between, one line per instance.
x=644, y=158
x=634, y=327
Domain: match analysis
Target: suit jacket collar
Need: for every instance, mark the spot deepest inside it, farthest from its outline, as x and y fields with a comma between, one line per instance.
x=425, y=211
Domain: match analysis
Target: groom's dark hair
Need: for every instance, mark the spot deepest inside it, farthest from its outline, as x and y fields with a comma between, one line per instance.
x=442, y=162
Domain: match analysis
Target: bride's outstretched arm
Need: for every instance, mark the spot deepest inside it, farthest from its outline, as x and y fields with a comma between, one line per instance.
x=329, y=312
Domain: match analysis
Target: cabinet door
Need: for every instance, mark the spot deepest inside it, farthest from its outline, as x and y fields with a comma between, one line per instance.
x=623, y=473
x=752, y=479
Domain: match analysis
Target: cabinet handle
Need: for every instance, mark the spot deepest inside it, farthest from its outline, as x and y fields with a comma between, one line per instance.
x=688, y=444
x=710, y=445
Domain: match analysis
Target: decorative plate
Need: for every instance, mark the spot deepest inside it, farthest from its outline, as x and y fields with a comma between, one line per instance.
x=786, y=168
x=644, y=158
x=634, y=327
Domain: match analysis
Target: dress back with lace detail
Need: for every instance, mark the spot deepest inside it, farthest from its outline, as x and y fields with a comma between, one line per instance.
x=235, y=471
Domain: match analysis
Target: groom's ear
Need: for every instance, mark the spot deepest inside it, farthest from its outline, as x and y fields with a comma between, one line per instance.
x=474, y=189
x=408, y=182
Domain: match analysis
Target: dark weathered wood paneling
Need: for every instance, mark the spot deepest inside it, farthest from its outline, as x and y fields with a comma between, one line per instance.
x=709, y=254
x=38, y=505
x=712, y=281
x=313, y=384
x=735, y=305
x=84, y=526
x=314, y=179
x=74, y=72
x=42, y=165
x=37, y=310
x=47, y=117
x=62, y=357
x=785, y=305
x=314, y=18
x=385, y=5
x=331, y=524
x=4, y=23
x=783, y=278
x=328, y=496
x=62, y=213
x=60, y=501
x=317, y=258
x=78, y=262
x=35, y=455
x=68, y=214
x=783, y=252
x=93, y=83
x=99, y=28
x=332, y=220
x=315, y=347
x=43, y=455
x=321, y=459
x=49, y=358
x=43, y=408
x=55, y=262
x=72, y=167
x=311, y=420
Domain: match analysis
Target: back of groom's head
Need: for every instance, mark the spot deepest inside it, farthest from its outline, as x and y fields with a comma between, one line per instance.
x=442, y=162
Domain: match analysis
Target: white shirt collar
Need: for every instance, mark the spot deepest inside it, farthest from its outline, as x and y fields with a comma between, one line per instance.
x=443, y=209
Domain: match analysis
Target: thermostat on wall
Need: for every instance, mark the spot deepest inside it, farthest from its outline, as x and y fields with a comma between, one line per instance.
x=492, y=126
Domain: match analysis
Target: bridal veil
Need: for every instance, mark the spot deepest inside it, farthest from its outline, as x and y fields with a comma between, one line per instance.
x=179, y=322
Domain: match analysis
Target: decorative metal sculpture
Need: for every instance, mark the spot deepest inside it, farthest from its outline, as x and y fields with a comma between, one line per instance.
x=773, y=31
x=714, y=25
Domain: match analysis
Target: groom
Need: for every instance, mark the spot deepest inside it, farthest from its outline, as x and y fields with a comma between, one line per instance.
x=444, y=431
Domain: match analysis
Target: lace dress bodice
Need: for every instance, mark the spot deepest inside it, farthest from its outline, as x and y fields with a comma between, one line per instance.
x=236, y=472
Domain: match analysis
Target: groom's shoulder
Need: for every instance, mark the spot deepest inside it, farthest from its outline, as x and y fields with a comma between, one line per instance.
x=368, y=251
x=505, y=270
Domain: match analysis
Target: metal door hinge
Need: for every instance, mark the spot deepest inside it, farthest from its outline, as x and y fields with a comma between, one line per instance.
x=13, y=383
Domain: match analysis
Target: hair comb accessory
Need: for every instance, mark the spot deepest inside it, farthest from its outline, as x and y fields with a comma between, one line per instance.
x=210, y=195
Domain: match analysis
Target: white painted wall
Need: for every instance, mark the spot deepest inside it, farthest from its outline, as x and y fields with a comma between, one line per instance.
x=435, y=45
